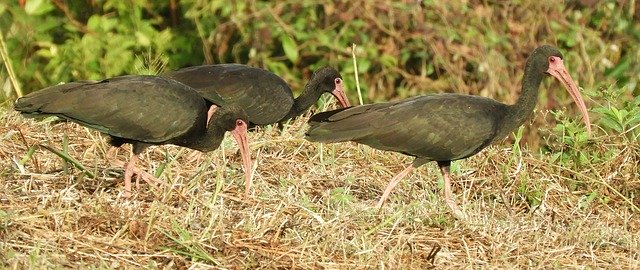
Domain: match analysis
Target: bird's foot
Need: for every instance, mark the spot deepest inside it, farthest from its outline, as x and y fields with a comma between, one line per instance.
x=380, y=202
x=147, y=177
x=455, y=210
x=195, y=157
x=140, y=174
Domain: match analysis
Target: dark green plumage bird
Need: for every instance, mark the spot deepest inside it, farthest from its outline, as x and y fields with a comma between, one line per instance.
x=442, y=127
x=265, y=97
x=142, y=111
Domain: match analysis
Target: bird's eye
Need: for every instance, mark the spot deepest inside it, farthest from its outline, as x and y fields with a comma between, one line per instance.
x=239, y=122
x=552, y=59
x=338, y=81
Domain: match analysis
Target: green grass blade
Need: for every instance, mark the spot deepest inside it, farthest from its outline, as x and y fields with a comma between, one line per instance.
x=65, y=150
x=187, y=246
x=28, y=155
x=69, y=159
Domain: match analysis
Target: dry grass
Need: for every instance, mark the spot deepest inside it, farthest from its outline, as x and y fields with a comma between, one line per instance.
x=308, y=213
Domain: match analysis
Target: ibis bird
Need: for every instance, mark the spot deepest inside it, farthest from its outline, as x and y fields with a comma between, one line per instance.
x=443, y=127
x=142, y=111
x=265, y=97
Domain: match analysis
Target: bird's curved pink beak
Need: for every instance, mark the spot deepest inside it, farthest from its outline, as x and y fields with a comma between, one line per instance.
x=339, y=93
x=240, y=135
x=557, y=70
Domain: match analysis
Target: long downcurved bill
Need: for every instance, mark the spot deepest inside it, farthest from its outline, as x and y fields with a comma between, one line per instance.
x=338, y=92
x=557, y=70
x=240, y=135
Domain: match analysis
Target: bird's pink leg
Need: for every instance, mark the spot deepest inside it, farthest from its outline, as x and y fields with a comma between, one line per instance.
x=210, y=113
x=392, y=184
x=195, y=157
x=112, y=151
x=147, y=177
x=132, y=169
x=128, y=173
x=448, y=194
x=129, y=170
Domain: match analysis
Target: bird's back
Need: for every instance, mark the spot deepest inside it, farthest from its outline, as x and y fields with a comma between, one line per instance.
x=436, y=127
x=142, y=108
x=263, y=95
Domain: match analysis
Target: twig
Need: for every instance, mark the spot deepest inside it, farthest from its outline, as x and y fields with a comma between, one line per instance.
x=8, y=66
x=63, y=7
x=355, y=68
x=24, y=141
x=601, y=181
x=173, y=10
x=431, y=257
x=206, y=47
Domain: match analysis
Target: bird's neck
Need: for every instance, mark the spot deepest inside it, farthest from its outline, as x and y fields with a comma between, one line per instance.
x=306, y=99
x=213, y=135
x=520, y=112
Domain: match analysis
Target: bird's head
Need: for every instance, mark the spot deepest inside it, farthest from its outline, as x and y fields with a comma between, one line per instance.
x=542, y=57
x=235, y=120
x=330, y=81
x=231, y=117
x=548, y=59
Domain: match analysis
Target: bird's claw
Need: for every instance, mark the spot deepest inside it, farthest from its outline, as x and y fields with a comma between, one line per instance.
x=455, y=210
x=140, y=174
x=195, y=157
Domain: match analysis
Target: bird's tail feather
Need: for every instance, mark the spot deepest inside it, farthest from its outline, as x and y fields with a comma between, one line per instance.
x=328, y=127
x=35, y=103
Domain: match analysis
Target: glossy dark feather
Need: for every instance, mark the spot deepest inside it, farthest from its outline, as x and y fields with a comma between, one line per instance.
x=148, y=109
x=402, y=126
x=142, y=111
x=244, y=86
x=444, y=127
x=265, y=97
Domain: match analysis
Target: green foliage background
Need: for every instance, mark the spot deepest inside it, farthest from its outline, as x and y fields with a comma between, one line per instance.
x=404, y=48
x=565, y=199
